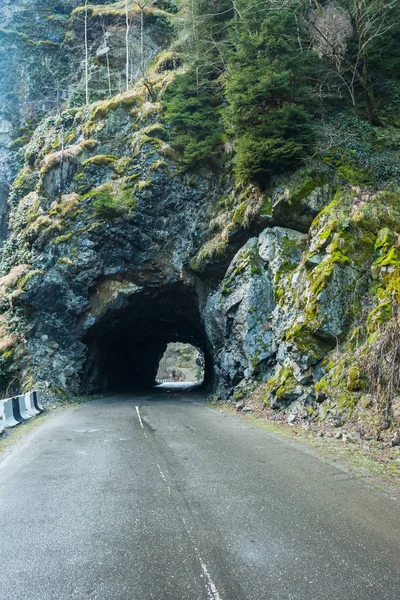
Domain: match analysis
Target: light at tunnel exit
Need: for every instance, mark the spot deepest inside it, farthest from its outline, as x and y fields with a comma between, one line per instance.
x=181, y=363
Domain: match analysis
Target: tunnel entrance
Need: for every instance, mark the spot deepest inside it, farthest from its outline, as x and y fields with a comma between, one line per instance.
x=128, y=340
x=181, y=363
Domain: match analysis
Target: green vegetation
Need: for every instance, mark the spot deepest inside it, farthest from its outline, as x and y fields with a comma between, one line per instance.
x=264, y=91
x=112, y=200
x=191, y=113
x=267, y=84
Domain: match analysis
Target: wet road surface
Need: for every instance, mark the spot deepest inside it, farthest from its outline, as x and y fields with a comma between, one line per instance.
x=160, y=497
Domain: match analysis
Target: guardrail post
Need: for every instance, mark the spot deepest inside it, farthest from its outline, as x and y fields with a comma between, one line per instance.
x=9, y=419
x=30, y=404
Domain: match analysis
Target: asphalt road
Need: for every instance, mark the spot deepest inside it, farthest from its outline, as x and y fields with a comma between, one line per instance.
x=160, y=497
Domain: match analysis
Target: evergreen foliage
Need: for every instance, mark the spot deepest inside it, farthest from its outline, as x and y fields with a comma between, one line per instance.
x=191, y=112
x=111, y=201
x=266, y=85
x=281, y=70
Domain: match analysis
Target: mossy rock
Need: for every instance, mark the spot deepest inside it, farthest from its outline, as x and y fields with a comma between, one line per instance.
x=306, y=342
x=104, y=160
x=112, y=200
x=28, y=277
x=354, y=379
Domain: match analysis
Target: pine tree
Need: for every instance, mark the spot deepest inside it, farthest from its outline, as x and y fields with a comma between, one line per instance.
x=265, y=90
x=191, y=113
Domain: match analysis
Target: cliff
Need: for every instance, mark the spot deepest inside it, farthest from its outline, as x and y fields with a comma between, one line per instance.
x=114, y=249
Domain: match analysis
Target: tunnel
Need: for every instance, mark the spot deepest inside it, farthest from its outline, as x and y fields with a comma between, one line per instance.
x=125, y=346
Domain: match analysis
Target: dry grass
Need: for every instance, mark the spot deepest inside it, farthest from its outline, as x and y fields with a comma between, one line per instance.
x=10, y=280
x=382, y=366
x=68, y=154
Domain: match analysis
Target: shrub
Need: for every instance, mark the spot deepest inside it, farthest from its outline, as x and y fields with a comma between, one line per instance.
x=113, y=200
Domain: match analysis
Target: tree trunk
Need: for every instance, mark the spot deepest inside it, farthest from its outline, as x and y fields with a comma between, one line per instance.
x=127, y=44
x=366, y=83
x=86, y=55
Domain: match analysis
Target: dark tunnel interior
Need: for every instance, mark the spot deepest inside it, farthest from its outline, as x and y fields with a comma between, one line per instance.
x=126, y=345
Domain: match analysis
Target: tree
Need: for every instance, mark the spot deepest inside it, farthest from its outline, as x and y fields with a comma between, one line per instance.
x=192, y=115
x=206, y=32
x=127, y=44
x=106, y=51
x=265, y=89
x=142, y=4
x=346, y=34
x=86, y=55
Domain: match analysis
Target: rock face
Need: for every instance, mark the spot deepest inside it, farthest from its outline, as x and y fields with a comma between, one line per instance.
x=106, y=283
x=181, y=362
x=112, y=252
x=42, y=64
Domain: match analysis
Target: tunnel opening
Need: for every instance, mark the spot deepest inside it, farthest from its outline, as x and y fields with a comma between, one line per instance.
x=129, y=338
x=181, y=363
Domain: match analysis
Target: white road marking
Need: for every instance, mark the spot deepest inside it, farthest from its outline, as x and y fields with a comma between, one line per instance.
x=141, y=422
x=211, y=589
x=140, y=418
x=161, y=473
x=163, y=478
x=210, y=586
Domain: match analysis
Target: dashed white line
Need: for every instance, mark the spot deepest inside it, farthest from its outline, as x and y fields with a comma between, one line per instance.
x=140, y=418
x=163, y=478
x=161, y=473
x=211, y=589
x=141, y=422
x=210, y=586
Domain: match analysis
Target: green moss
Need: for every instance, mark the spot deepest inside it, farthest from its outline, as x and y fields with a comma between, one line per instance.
x=346, y=401
x=322, y=272
x=386, y=269
x=386, y=238
x=213, y=248
x=158, y=165
x=266, y=208
x=66, y=261
x=122, y=164
x=21, y=284
x=115, y=10
x=62, y=239
x=392, y=258
x=342, y=384
x=281, y=384
x=22, y=177
x=55, y=158
x=101, y=109
x=306, y=342
x=307, y=186
x=167, y=60
x=8, y=355
x=288, y=385
x=113, y=199
x=354, y=381
x=239, y=213
x=248, y=259
x=379, y=315
x=355, y=174
x=142, y=184
x=19, y=142
x=88, y=145
x=70, y=137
